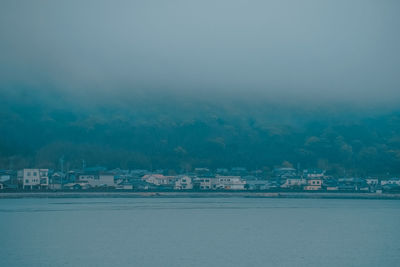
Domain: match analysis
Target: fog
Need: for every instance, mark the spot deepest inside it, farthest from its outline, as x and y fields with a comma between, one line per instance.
x=330, y=51
x=185, y=84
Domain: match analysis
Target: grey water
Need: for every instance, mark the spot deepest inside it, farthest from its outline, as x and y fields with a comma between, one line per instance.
x=199, y=232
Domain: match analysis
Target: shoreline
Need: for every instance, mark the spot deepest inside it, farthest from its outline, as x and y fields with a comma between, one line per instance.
x=155, y=194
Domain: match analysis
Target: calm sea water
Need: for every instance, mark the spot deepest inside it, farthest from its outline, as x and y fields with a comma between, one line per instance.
x=199, y=232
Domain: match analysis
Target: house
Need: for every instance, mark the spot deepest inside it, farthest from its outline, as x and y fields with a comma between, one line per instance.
x=313, y=184
x=284, y=172
x=314, y=173
x=255, y=185
x=77, y=186
x=124, y=185
x=4, y=177
x=391, y=188
x=353, y=184
x=228, y=183
x=249, y=177
x=391, y=181
x=372, y=181
x=56, y=180
x=139, y=172
x=203, y=183
x=159, y=179
x=34, y=178
x=294, y=182
x=100, y=180
x=183, y=183
x=331, y=185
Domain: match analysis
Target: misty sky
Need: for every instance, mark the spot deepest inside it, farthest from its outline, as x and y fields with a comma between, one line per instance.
x=332, y=49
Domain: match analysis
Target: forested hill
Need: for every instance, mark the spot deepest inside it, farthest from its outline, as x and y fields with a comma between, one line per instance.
x=172, y=132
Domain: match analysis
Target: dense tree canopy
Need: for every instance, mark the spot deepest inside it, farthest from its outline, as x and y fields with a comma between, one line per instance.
x=183, y=133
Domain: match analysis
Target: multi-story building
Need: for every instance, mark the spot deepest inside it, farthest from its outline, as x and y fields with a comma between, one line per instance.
x=228, y=183
x=294, y=182
x=183, y=183
x=203, y=183
x=313, y=184
x=34, y=178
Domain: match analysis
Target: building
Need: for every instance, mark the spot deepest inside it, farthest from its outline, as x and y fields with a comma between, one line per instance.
x=77, y=186
x=314, y=173
x=183, y=183
x=255, y=185
x=313, y=184
x=391, y=181
x=101, y=180
x=4, y=177
x=228, y=183
x=203, y=183
x=353, y=184
x=284, y=172
x=294, y=182
x=159, y=179
x=34, y=178
x=372, y=181
x=56, y=180
x=331, y=184
x=125, y=185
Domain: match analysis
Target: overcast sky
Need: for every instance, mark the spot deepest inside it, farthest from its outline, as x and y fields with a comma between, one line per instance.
x=333, y=49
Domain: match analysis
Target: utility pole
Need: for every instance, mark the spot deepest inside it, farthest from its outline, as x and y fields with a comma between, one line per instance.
x=62, y=171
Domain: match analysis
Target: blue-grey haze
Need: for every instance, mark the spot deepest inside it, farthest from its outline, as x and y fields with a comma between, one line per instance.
x=331, y=50
x=184, y=84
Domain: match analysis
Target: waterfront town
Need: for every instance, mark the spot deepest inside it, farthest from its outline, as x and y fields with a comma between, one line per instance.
x=201, y=179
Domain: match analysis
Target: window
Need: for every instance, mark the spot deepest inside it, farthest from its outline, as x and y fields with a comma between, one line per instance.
x=26, y=181
x=34, y=173
x=28, y=173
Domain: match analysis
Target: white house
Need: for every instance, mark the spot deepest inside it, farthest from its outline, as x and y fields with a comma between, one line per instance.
x=159, y=179
x=372, y=181
x=228, y=183
x=183, y=183
x=391, y=181
x=35, y=178
x=314, y=173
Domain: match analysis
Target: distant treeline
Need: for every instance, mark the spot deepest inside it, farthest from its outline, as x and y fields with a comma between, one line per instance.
x=184, y=133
